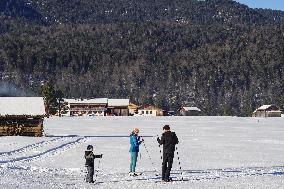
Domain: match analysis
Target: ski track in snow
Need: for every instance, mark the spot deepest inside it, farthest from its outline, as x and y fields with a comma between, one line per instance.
x=30, y=147
x=67, y=144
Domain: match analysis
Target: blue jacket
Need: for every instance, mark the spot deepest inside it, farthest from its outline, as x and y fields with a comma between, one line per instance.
x=134, y=144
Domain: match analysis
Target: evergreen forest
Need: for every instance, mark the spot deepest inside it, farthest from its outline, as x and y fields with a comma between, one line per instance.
x=218, y=55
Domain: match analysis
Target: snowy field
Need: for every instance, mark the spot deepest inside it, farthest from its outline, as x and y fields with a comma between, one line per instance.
x=214, y=152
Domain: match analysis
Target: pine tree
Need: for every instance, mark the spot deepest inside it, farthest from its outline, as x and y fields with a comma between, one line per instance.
x=61, y=105
x=48, y=93
x=53, y=99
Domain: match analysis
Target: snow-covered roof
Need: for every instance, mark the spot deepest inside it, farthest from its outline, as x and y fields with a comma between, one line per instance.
x=110, y=102
x=33, y=106
x=191, y=109
x=264, y=107
x=87, y=101
x=118, y=102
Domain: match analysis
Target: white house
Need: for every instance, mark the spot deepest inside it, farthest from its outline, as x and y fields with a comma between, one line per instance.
x=97, y=107
x=149, y=110
x=87, y=107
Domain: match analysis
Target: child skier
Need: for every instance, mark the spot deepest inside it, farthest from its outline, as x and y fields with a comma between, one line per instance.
x=89, y=156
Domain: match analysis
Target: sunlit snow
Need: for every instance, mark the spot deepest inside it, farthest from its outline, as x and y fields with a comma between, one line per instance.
x=214, y=152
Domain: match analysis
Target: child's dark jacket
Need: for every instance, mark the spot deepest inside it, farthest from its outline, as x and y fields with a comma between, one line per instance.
x=89, y=156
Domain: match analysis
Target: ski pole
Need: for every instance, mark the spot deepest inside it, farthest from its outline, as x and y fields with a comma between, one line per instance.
x=179, y=164
x=160, y=151
x=150, y=158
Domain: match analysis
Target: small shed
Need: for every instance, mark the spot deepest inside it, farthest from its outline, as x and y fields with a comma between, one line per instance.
x=267, y=111
x=21, y=116
x=189, y=111
x=118, y=107
x=150, y=110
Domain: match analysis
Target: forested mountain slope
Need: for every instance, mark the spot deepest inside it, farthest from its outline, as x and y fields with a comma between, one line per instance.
x=218, y=55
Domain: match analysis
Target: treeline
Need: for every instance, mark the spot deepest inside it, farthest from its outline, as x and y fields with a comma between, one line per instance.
x=223, y=68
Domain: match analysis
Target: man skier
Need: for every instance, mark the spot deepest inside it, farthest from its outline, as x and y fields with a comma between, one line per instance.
x=168, y=140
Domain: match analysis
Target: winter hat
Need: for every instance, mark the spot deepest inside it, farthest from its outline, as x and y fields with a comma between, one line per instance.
x=166, y=127
x=89, y=147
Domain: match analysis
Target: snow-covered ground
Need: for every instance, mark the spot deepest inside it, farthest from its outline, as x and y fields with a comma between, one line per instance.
x=214, y=152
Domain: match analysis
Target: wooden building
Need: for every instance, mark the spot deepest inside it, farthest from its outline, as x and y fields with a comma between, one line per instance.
x=267, y=111
x=133, y=109
x=21, y=116
x=149, y=110
x=118, y=107
x=87, y=107
x=189, y=111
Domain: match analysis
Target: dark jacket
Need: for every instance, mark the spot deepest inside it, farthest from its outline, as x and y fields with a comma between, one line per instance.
x=168, y=140
x=89, y=156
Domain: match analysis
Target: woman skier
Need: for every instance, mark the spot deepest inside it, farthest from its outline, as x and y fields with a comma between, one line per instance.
x=134, y=149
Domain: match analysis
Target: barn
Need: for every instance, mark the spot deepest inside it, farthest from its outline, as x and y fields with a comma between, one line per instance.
x=118, y=107
x=189, y=111
x=267, y=111
x=21, y=116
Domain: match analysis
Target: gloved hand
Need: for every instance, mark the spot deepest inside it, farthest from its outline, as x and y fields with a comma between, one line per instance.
x=158, y=139
x=101, y=155
x=142, y=140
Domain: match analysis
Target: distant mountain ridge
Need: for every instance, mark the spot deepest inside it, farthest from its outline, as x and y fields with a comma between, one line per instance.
x=113, y=11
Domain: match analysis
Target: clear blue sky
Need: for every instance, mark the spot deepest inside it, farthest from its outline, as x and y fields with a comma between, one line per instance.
x=272, y=4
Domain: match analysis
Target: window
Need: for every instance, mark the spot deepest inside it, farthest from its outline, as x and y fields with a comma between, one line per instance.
x=147, y=112
x=142, y=112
